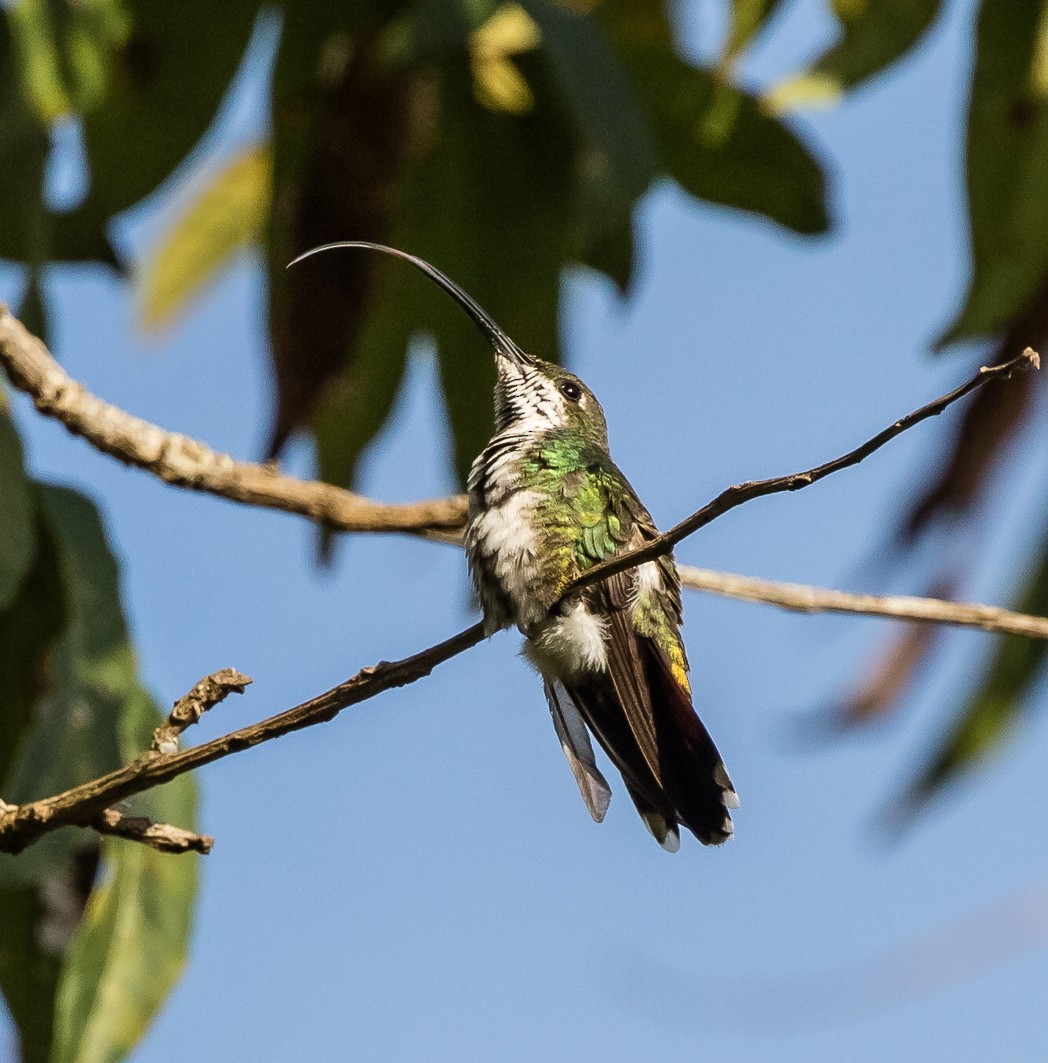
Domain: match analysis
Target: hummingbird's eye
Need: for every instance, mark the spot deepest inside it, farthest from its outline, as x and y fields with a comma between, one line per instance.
x=570, y=390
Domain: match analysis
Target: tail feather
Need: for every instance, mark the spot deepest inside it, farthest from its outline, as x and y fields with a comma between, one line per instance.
x=578, y=750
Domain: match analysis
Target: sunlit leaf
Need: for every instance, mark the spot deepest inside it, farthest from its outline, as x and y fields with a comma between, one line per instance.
x=874, y=34
x=226, y=215
x=1007, y=167
x=17, y=515
x=498, y=82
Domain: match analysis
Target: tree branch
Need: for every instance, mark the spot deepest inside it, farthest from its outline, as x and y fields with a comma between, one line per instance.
x=745, y=492
x=185, y=462
x=804, y=599
x=21, y=825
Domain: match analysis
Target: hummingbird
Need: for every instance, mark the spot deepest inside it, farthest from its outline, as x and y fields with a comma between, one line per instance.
x=546, y=503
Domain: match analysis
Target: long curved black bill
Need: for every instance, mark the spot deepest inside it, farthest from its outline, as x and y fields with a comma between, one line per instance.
x=500, y=342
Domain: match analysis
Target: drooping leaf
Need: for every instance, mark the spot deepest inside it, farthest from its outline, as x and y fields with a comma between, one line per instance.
x=90, y=668
x=874, y=34
x=227, y=215
x=131, y=946
x=1007, y=168
x=996, y=707
x=343, y=128
x=17, y=516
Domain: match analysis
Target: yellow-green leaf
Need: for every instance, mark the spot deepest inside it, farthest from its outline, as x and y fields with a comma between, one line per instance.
x=227, y=215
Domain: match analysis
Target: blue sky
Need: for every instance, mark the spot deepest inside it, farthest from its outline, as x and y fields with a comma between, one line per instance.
x=419, y=880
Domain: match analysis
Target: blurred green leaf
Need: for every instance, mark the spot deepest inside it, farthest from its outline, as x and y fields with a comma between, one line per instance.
x=90, y=668
x=748, y=17
x=65, y=48
x=227, y=215
x=713, y=139
x=17, y=516
x=616, y=160
x=38, y=920
x=1007, y=167
x=24, y=228
x=503, y=232
x=166, y=84
x=357, y=404
x=345, y=123
x=874, y=34
x=131, y=946
x=995, y=709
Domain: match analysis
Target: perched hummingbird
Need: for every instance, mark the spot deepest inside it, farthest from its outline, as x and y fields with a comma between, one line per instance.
x=546, y=502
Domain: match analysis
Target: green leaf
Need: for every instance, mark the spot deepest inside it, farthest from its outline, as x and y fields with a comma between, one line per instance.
x=24, y=227
x=90, y=672
x=131, y=946
x=616, y=160
x=503, y=182
x=65, y=51
x=874, y=34
x=357, y=404
x=1007, y=167
x=715, y=140
x=748, y=17
x=994, y=711
x=166, y=84
x=38, y=920
x=227, y=215
x=719, y=145
x=17, y=516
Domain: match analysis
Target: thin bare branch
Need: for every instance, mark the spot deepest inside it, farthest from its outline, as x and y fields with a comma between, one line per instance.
x=745, y=492
x=804, y=599
x=21, y=825
x=186, y=462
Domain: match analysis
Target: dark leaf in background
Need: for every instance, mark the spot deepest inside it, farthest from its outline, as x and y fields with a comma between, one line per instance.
x=24, y=143
x=39, y=918
x=17, y=515
x=888, y=676
x=1007, y=168
x=345, y=121
x=994, y=710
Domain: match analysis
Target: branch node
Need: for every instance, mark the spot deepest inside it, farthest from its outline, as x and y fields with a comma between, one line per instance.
x=188, y=709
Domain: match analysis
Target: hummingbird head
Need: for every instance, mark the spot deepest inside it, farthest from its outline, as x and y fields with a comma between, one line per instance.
x=531, y=396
